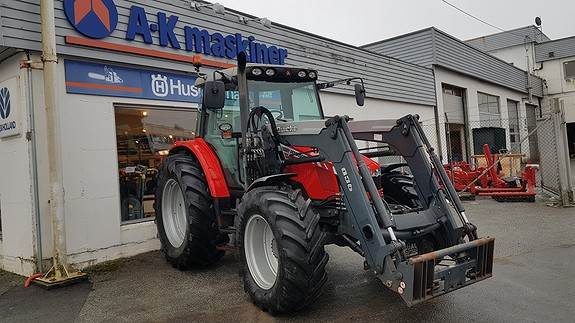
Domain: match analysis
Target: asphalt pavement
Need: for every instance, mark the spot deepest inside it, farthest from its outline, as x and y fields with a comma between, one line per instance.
x=533, y=282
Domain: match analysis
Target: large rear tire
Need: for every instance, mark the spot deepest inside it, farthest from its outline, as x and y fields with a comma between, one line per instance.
x=185, y=215
x=282, y=249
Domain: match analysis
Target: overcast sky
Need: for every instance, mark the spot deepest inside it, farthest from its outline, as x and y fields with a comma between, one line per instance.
x=360, y=22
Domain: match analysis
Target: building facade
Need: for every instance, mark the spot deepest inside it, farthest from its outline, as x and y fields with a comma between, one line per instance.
x=125, y=93
x=552, y=60
x=478, y=95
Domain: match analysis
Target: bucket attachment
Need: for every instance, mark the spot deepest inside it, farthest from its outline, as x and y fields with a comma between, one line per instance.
x=439, y=272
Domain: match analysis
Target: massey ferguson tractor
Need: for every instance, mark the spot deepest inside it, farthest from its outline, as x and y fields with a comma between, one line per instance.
x=271, y=177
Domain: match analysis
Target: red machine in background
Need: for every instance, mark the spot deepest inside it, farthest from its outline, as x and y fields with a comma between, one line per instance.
x=487, y=181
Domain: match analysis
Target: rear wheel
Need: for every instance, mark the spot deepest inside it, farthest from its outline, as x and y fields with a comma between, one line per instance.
x=282, y=249
x=185, y=215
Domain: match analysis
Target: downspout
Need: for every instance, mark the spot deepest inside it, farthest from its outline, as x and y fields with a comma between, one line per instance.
x=31, y=136
x=56, y=202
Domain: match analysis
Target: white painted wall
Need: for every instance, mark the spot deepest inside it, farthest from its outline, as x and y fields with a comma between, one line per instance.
x=557, y=87
x=522, y=56
x=472, y=86
x=16, y=202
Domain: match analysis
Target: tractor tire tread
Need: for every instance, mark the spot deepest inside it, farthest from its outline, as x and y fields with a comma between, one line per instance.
x=301, y=275
x=201, y=241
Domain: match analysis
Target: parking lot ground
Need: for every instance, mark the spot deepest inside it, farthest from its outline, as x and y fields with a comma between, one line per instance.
x=533, y=282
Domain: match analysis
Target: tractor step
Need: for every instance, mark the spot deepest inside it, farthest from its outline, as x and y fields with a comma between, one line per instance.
x=439, y=272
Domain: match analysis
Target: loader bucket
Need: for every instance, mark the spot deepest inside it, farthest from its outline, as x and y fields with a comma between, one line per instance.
x=439, y=272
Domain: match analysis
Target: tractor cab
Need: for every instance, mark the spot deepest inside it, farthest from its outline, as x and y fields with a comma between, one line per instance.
x=291, y=94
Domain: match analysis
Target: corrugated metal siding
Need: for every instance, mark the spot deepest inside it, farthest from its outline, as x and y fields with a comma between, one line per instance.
x=508, y=38
x=560, y=48
x=386, y=78
x=6, y=52
x=416, y=47
x=451, y=53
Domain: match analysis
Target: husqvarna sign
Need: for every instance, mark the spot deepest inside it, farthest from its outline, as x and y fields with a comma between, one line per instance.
x=9, y=110
x=98, y=19
x=119, y=81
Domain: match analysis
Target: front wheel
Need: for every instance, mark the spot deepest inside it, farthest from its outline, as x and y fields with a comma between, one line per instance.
x=282, y=249
x=185, y=215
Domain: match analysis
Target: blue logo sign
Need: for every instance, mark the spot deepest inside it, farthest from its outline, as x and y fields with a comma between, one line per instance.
x=117, y=81
x=99, y=18
x=93, y=18
x=4, y=103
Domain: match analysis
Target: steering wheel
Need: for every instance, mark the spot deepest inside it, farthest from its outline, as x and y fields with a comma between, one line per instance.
x=277, y=114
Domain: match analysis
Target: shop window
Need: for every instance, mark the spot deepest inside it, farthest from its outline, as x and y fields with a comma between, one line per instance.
x=143, y=136
x=569, y=70
x=489, y=113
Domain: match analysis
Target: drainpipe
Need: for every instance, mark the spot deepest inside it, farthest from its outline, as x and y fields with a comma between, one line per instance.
x=56, y=202
x=31, y=136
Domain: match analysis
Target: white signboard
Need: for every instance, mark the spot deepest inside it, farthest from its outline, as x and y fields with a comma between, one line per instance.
x=9, y=108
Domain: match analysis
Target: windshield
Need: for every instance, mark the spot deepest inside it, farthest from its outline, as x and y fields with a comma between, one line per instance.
x=286, y=101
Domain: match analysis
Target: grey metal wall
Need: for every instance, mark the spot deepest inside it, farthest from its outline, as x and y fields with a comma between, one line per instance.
x=415, y=47
x=438, y=48
x=555, y=49
x=508, y=38
x=386, y=78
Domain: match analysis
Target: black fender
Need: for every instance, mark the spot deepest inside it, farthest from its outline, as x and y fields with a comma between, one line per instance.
x=270, y=180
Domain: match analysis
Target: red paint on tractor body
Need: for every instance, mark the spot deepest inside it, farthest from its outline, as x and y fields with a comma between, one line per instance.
x=210, y=165
x=319, y=180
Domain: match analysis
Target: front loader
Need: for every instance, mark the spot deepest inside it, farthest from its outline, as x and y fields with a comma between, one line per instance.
x=269, y=175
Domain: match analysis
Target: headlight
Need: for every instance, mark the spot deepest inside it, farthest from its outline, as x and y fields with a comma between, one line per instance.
x=257, y=71
x=301, y=74
x=270, y=72
x=312, y=75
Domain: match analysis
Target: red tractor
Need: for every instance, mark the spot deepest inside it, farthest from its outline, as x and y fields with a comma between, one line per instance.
x=270, y=176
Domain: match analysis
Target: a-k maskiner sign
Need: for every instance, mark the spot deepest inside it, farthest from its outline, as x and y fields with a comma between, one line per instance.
x=111, y=80
x=98, y=19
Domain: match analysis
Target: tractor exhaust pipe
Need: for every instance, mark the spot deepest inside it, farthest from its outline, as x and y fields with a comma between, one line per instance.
x=244, y=104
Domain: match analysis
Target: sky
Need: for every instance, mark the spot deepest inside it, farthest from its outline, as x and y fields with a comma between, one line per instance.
x=360, y=22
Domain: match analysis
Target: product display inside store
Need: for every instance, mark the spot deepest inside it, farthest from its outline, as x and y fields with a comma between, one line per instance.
x=144, y=136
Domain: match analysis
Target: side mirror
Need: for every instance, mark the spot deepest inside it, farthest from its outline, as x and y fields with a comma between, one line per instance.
x=214, y=95
x=359, y=95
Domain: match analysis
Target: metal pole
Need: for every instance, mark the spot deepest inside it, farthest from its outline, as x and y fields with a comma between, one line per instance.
x=56, y=201
x=34, y=152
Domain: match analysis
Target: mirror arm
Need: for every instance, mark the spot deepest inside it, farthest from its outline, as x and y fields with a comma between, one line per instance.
x=327, y=85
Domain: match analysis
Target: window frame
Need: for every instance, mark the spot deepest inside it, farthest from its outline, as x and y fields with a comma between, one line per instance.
x=132, y=106
x=566, y=76
x=490, y=115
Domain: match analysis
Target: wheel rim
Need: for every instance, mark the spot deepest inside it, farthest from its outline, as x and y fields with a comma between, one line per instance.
x=174, y=213
x=261, y=251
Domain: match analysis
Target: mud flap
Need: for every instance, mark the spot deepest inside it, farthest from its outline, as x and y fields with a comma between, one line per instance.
x=439, y=272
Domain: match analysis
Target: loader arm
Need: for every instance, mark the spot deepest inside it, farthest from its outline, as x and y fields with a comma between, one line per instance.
x=372, y=224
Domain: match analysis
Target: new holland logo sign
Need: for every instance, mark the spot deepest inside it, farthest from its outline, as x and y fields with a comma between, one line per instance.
x=98, y=19
x=4, y=103
x=8, y=109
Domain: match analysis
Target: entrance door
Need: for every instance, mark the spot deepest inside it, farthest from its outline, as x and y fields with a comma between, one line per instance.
x=454, y=108
x=531, y=111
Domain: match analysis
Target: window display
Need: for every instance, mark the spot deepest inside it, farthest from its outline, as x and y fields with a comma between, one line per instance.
x=144, y=136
